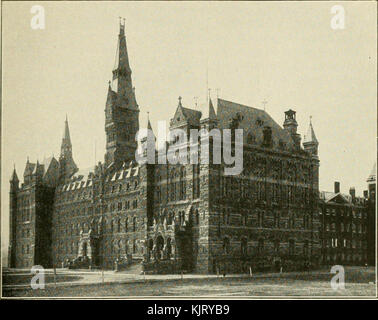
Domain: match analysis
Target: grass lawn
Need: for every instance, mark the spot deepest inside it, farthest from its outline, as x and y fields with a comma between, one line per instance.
x=303, y=284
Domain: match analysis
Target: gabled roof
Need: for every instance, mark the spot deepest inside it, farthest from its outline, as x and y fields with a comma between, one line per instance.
x=331, y=197
x=339, y=198
x=191, y=114
x=185, y=114
x=253, y=121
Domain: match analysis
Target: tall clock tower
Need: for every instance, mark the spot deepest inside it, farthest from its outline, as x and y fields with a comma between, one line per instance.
x=121, y=111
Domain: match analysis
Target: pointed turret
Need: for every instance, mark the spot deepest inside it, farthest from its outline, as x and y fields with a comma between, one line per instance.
x=148, y=143
x=122, y=82
x=149, y=127
x=29, y=168
x=121, y=111
x=13, y=218
x=66, y=146
x=212, y=114
x=122, y=58
x=310, y=136
x=67, y=164
x=209, y=111
x=372, y=175
x=209, y=119
x=310, y=143
x=14, y=180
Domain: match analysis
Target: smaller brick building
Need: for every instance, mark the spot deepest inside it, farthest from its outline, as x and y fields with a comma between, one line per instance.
x=344, y=227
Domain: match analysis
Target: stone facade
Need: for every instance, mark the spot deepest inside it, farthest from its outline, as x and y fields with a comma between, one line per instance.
x=344, y=233
x=188, y=217
x=370, y=195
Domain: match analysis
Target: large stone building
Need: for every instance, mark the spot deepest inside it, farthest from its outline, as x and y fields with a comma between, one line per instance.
x=173, y=217
x=370, y=195
x=344, y=232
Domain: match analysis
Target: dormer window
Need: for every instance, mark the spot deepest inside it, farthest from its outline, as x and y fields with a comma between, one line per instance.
x=251, y=138
x=259, y=122
x=281, y=144
x=268, y=141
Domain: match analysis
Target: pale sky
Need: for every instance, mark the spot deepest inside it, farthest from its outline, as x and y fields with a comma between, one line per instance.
x=286, y=53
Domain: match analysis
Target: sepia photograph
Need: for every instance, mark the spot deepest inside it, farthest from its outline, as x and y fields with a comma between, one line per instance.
x=188, y=150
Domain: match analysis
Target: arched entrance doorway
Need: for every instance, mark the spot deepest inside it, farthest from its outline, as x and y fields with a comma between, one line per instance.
x=159, y=247
x=84, y=252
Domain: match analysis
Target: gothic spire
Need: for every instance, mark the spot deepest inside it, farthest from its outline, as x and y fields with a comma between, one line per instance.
x=67, y=164
x=14, y=177
x=66, y=147
x=122, y=71
x=66, y=135
x=310, y=136
x=212, y=114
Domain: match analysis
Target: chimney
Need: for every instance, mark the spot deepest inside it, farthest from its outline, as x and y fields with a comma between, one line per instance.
x=352, y=192
x=337, y=187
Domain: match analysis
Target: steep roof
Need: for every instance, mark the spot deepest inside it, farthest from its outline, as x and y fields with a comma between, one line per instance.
x=29, y=168
x=310, y=136
x=252, y=121
x=372, y=176
x=66, y=134
x=190, y=115
x=14, y=176
x=208, y=111
x=328, y=197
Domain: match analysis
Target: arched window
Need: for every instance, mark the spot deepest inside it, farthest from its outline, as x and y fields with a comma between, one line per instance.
x=260, y=248
x=169, y=248
x=342, y=227
x=250, y=138
x=260, y=218
x=276, y=218
x=244, y=246
x=134, y=246
x=226, y=245
x=118, y=225
x=169, y=218
x=126, y=224
x=182, y=193
x=228, y=217
x=224, y=216
x=134, y=224
x=244, y=217
x=197, y=217
x=305, y=248
x=277, y=247
x=291, y=247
